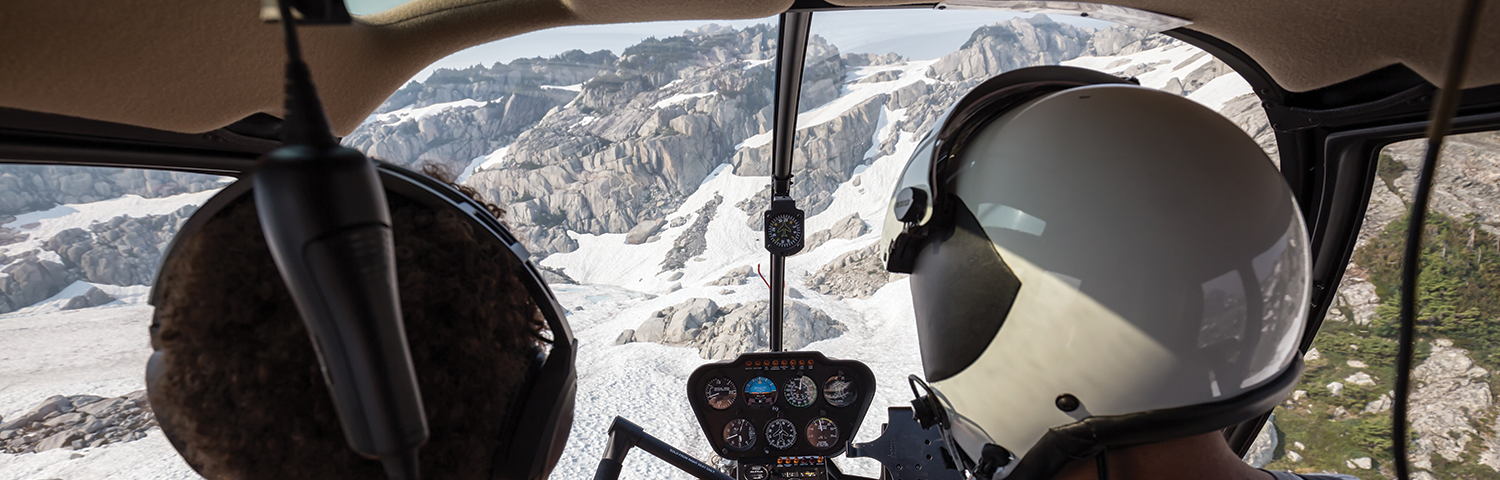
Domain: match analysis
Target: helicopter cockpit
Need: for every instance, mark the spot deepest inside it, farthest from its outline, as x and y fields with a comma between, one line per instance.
x=701, y=193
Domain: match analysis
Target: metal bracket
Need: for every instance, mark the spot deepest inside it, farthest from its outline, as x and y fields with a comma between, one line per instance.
x=908, y=451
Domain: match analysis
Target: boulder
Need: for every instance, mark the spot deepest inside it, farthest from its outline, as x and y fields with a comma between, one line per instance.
x=642, y=231
x=1336, y=389
x=857, y=274
x=93, y=298
x=625, y=337
x=1380, y=405
x=688, y=318
x=727, y=331
x=99, y=408
x=849, y=227
x=70, y=418
x=1312, y=354
x=1264, y=447
x=1449, y=392
x=735, y=276
x=1360, y=378
x=58, y=440
x=55, y=404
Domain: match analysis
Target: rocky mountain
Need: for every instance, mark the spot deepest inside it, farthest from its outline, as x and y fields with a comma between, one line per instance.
x=608, y=151
x=77, y=422
x=31, y=188
x=122, y=251
x=722, y=333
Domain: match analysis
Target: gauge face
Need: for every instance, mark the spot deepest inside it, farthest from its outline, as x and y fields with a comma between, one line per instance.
x=760, y=392
x=784, y=230
x=721, y=393
x=801, y=391
x=780, y=433
x=822, y=433
x=840, y=391
x=757, y=472
x=739, y=435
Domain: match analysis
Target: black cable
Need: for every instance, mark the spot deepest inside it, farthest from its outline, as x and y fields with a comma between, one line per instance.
x=1102, y=461
x=305, y=122
x=1443, y=111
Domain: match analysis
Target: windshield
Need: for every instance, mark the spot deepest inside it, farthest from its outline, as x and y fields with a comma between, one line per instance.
x=633, y=161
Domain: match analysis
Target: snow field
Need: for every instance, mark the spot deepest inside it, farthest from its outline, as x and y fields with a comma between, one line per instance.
x=54, y=220
x=420, y=113
x=644, y=382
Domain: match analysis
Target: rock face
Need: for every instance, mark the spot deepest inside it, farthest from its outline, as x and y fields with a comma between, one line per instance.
x=1468, y=181
x=643, y=133
x=1264, y=446
x=692, y=242
x=633, y=135
x=1006, y=46
x=642, y=231
x=855, y=274
x=77, y=422
x=123, y=251
x=93, y=298
x=736, y=276
x=1450, y=391
x=29, y=280
x=30, y=188
x=487, y=108
x=725, y=332
x=848, y=228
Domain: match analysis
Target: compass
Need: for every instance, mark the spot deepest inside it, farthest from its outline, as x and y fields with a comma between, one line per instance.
x=784, y=229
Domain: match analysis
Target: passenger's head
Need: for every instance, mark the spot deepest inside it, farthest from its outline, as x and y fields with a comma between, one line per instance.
x=239, y=384
x=1095, y=267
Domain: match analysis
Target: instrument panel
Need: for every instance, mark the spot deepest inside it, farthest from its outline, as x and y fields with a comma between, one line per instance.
x=783, y=405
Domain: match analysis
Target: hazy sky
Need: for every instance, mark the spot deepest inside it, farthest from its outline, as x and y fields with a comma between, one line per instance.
x=916, y=33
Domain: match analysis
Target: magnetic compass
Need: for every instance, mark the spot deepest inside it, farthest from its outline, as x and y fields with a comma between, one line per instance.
x=784, y=227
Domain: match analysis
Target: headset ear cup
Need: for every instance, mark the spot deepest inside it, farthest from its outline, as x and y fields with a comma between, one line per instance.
x=156, y=366
x=903, y=253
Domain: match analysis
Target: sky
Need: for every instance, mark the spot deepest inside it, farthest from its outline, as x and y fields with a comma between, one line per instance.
x=918, y=34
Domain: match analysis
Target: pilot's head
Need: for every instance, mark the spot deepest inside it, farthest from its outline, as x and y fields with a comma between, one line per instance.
x=1095, y=266
x=237, y=384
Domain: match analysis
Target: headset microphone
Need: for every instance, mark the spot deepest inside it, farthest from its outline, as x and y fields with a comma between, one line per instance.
x=325, y=218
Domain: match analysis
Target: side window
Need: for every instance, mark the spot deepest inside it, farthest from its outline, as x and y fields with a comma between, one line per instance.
x=80, y=248
x=1339, y=418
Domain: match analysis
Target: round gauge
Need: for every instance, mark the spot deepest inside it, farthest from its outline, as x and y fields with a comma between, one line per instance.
x=757, y=472
x=739, y=435
x=780, y=433
x=721, y=393
x=784, y=230
x=839, y=391
x=822, y=433
x=801, y=391
x=760, y=392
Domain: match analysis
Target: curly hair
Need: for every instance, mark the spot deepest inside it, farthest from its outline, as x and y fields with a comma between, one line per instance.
x=242, y=386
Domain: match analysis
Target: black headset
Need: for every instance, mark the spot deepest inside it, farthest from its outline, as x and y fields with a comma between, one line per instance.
x=543, y=416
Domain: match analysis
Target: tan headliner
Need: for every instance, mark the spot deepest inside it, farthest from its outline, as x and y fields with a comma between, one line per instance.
x=198, y=65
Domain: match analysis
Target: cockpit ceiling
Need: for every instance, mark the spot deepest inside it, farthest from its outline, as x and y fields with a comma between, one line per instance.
x=198, y=66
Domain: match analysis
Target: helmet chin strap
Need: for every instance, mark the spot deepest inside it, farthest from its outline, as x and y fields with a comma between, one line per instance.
x=1102, y=461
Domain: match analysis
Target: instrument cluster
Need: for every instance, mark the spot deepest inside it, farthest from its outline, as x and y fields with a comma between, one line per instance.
x=780, y=405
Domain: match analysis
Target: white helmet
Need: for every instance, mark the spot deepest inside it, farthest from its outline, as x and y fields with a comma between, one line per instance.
x=1094, y=265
